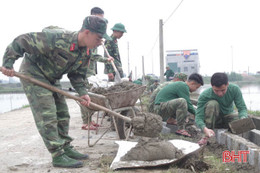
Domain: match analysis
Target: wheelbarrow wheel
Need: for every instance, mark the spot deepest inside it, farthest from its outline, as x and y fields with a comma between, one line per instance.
x=124, y=127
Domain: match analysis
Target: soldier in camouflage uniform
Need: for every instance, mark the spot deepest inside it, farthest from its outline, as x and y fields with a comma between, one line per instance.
x=180, y=77
x=87, y=113
x=173, y=100
x=112, y=48
x=47, y=57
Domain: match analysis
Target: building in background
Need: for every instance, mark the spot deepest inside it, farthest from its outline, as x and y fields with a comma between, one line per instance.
x=184, y=61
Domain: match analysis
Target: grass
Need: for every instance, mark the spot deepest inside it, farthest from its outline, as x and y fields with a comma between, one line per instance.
x=254, y=113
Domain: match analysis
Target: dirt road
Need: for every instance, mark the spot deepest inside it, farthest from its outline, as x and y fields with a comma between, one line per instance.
x=22, y=149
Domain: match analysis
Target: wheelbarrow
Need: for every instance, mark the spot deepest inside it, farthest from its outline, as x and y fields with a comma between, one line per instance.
x=122, y=102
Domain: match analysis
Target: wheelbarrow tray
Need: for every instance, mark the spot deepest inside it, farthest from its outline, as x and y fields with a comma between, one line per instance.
x=124, y=146
x=120, y=99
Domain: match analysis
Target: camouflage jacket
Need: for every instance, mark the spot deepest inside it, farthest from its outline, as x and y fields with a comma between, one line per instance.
x=112, y=48
x=92, y=64
x=55, y=53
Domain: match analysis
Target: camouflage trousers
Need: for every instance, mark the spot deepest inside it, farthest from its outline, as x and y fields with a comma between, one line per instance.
x=176, y=108
x=86, y=114
x=49, y=109
x=214, y=119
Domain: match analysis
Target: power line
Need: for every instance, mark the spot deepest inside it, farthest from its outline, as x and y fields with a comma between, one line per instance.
x=165, y=23
x=173, y=12
x=155, y=42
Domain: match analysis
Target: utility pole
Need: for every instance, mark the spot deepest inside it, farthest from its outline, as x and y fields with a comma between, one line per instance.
x=143, y=79
x=128, y=58
x=152, y=64
x=232, y=58
x=161, y=50
x=135, y=73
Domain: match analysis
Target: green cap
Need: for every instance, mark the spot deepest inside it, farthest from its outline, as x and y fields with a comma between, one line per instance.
x=119, y=27
x=181, y=76
x=96, y=24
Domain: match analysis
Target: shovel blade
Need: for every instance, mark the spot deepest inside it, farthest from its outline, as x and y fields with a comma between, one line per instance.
x=242, y=125
x=117, y=77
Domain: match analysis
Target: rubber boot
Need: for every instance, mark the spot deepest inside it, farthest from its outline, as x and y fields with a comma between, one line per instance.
x=64, y=161
x=69, y=151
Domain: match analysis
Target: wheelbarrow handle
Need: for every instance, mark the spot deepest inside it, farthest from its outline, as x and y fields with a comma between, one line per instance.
x=54, y=89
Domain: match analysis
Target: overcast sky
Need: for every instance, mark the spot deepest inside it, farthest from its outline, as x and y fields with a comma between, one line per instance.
x=215, y=27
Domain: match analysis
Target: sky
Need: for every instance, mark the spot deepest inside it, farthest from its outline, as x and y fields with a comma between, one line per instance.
x=225, y=32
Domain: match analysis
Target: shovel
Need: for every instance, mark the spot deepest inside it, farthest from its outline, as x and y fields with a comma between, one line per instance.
x=54, y=89
x=141, y=125
x=117, y=77
x=242, y=125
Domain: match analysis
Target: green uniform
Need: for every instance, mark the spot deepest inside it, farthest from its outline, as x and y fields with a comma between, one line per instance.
x=92, y=67
x=47, y=56
x=138, y=82
x=153, y=96
x=173, y=100
x=153, y=87
x=169, y=73
x=214, y=111
x=112, y=48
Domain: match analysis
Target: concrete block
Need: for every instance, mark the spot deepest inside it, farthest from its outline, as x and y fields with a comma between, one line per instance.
x=229, y=143
x=235, y=144
x=221, y=137
x=258, y=166
x=252, y=157
x=254, y=136
x=256, y=120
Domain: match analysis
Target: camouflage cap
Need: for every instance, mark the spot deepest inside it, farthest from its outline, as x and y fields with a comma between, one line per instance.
x=181, y=76
x=96, y=24
x=119, y=27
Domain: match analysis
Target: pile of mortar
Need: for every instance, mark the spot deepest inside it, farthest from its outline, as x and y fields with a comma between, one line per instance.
x=145, y=125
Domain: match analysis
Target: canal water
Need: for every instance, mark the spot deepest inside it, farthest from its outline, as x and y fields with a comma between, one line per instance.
x=12, y=101
x=251, y=94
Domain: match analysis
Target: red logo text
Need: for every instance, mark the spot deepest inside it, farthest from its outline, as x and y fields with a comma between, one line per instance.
x=231, y=156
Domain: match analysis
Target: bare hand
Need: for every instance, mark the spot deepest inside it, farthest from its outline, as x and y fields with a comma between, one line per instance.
x=86, y=101
x=8, y=72
x=209, y=132
x=110, y=76
x=110, y=58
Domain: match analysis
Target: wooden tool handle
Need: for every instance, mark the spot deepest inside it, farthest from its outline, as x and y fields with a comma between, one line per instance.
x=113, y=64
x=54, y=89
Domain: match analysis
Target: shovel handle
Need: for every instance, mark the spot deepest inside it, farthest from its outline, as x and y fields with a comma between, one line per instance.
x=113, y=64
x=54, y=89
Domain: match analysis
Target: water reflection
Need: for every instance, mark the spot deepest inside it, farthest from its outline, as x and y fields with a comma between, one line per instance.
x=12, y=101
x=251, y=94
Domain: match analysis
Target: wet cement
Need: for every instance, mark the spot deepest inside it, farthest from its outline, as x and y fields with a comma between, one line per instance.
x=152, y=149
x=144, y=124
x=147, y=124
x=123, y=86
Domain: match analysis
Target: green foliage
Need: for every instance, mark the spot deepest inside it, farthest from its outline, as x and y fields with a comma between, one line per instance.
x=234, y=77
x=206, y=79
x=254, y=113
